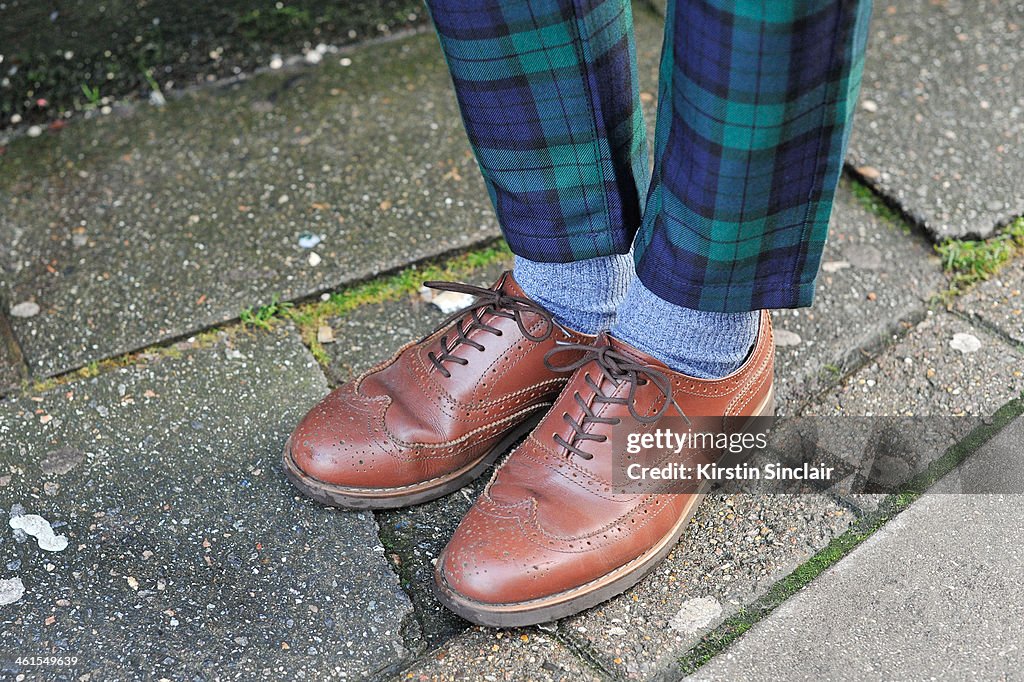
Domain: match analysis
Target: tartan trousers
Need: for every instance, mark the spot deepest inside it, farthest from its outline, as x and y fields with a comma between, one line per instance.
x=755, y=100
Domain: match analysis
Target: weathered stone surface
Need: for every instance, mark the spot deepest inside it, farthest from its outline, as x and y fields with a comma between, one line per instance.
x=736, y=547
x=924, y=375
x=133, y=228
x=934, y=594
x=188, y=550
x=875, y=279
x=939, y=127
x=999, y=302
x=492, y=655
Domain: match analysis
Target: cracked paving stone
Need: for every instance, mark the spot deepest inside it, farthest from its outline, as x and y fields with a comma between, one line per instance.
x=999, y=302
x=924, y=376
x=875, y=278
x=736, y=547
x=501, y=655
x=209, y=196
x=940, y=122
x=188, y=550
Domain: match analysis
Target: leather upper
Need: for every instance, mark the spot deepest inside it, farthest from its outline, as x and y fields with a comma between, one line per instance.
x=404, y=421
x=549, y=521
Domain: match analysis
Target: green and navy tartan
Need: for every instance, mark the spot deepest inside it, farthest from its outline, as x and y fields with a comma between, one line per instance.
x=755, y=103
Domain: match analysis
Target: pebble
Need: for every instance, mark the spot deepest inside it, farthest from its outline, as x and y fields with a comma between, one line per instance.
x=869, y=105
x=11, y=590
x=25, y=309
x=835, y=265
x=345, y=61
x=35, y=131
x=784, y=337
x=276, y=62
x=695, y=614
x=965, y=343
x=450, y=301
x=314, y=258
x=314, y=57
x=869, y=172
x=324, y=334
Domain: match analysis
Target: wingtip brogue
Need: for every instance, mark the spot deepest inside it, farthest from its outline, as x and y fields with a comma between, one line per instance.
x=437, y=413
x=550, y=535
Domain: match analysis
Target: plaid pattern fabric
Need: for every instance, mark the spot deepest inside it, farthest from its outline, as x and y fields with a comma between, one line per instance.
x=755, y=101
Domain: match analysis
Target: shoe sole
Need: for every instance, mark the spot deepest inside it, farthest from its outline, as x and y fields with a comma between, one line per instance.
x=384, y=498
x=570, y=602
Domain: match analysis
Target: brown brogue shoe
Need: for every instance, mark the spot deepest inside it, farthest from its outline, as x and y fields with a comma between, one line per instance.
x=551, y=534
x=438, y=412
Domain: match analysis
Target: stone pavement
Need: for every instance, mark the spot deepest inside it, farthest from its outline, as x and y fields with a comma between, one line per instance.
x=188, y=554
x=935, y=594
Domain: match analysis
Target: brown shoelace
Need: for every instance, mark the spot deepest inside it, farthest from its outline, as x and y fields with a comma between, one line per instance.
x=617, y=368
x=488, y=302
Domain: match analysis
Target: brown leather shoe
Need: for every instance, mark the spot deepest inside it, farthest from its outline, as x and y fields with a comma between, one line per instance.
x=550, y=535
x=437, y=413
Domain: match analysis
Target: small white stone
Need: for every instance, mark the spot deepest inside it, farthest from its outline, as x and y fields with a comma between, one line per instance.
x=314, y=57
x=785, y=338
x=869, y=105
x=965, y=343
x=276, y=62
x=11, y=590
x=15, y=119
x=35, y=131
x=345, y=61
x=314, y=258
x=695, y=614
x=25, y=309
x=450, y=301
x=835, y=265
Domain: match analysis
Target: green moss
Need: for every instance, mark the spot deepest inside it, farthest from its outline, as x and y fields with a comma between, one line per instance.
x=968, y=262
x=875, y=205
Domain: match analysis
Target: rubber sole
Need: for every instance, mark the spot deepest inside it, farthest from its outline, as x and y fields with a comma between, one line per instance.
x=383, y=498
x=570, y=602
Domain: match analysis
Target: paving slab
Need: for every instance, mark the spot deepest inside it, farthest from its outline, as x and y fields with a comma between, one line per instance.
x=736, y=547
x=150, y=223
x=940, y=124
x=934, y=594
x=514, y=655
x=134, y=228
x=949, y=391
x=187, y=550
x=999, y=302
x=876, y=278
x=924, y=374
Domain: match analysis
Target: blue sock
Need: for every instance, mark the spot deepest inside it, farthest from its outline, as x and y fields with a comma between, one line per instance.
x=699, y=344
x=582, y=295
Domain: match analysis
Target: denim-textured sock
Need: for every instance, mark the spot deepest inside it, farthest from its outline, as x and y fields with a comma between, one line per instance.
x=700, y=344
x=582, y=295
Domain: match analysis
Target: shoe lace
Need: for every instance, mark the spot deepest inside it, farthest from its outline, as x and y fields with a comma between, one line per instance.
x=617, y=368
x=488, y=302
